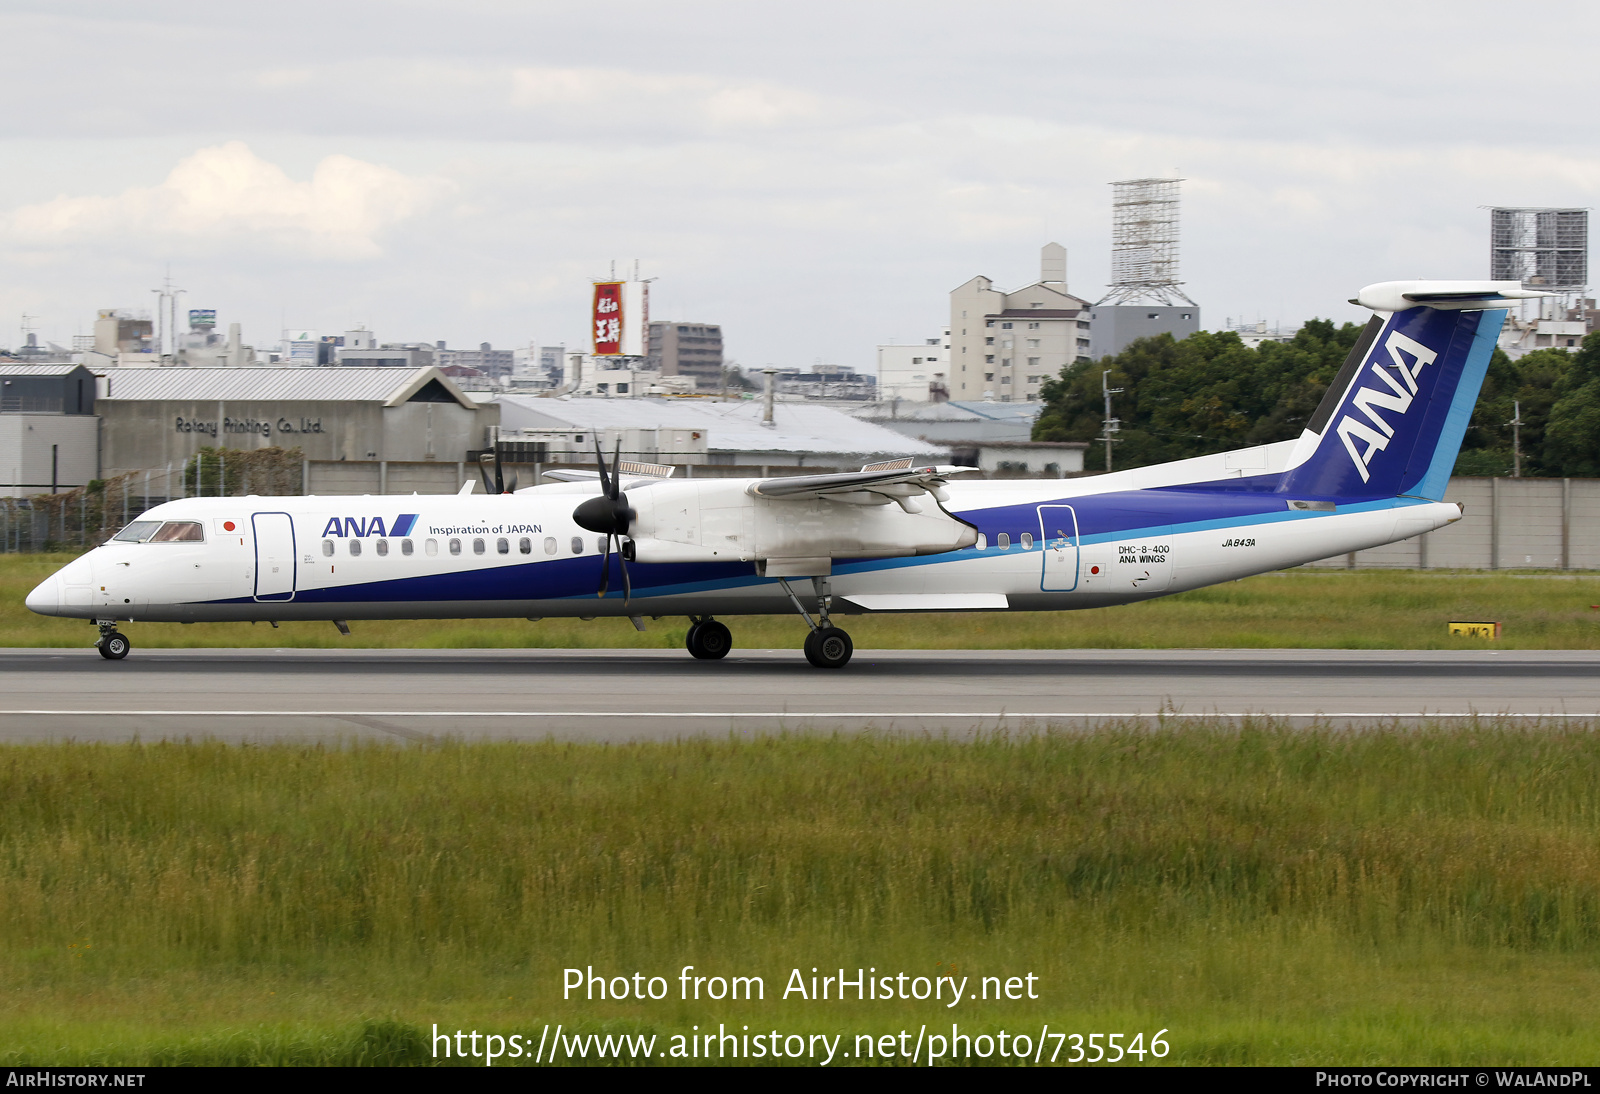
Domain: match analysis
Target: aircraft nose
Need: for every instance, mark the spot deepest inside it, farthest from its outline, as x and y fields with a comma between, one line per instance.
x=46, y=598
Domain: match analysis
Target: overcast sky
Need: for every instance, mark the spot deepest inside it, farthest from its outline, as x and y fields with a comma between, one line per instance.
x=815, y=177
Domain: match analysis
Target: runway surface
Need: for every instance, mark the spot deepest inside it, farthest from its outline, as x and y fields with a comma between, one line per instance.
x=422, y=695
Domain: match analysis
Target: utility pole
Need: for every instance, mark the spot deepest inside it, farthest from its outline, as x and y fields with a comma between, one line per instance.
x=1109, y=424
x=1516, y=440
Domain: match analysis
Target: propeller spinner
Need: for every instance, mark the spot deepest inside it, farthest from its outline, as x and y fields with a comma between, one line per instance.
x=609, y=515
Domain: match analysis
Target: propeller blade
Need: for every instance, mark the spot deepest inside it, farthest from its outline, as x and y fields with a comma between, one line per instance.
x=627, y=585
x=605, y=569
x=499, y=475
x=483, y=473
x=616, y=471
x=512, y=489
x=600, y=458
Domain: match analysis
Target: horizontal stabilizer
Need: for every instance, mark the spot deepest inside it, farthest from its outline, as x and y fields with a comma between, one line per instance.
x=1392, y=296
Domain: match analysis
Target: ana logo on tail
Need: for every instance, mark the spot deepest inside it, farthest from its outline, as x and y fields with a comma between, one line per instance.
x=1397, y=399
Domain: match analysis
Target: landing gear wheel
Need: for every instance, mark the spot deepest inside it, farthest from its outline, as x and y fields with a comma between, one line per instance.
x=709, y=640
x=114, y=646
x=829, y=648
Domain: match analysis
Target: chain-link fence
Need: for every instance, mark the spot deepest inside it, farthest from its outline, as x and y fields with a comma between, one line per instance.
x=85, y=516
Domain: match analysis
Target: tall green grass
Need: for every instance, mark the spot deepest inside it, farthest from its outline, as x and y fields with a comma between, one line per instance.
x=1267, y=895
x=1368, y=609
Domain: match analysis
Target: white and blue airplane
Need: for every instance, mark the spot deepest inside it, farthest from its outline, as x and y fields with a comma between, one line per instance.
x=1369, y=468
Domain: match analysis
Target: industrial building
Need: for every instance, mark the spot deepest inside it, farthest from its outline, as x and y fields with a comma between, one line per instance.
x=361, y=430
x=1118, y=326
x=494, y=363
x=1004, y=345
x=994, y=437
x=49, y=432
x=703, y=436
x=957, y=420
x=919, y=373
x=687, y=349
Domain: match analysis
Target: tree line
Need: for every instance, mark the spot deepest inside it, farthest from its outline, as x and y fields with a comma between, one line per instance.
x=1212, y=393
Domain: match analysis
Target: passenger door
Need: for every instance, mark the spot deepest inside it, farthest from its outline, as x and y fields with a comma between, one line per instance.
x=274, y=538
x=1058, y=533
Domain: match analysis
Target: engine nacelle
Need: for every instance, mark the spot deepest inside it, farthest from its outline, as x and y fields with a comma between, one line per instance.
x=717, y=520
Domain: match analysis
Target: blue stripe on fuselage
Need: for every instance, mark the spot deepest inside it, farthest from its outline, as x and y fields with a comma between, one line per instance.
x=1101, y=518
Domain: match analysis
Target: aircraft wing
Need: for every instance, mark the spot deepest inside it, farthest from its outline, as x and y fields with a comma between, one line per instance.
x=859, y=487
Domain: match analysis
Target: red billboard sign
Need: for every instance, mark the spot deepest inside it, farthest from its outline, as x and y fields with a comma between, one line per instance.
x=607, y=318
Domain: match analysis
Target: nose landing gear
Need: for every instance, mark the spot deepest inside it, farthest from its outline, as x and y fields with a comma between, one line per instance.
x=708, y=640
x=113, y=644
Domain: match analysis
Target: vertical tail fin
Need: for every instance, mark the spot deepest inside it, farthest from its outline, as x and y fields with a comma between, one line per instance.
x=1392, y=421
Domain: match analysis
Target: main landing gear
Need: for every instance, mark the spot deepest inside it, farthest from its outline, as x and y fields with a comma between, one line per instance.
x=112, y=644
x=827, y=646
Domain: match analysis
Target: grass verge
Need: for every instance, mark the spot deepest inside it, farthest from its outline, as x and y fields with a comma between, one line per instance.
x=1264, y=895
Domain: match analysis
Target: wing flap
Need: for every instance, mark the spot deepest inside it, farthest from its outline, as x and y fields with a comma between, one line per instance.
x=895, y=484
x=929, y=602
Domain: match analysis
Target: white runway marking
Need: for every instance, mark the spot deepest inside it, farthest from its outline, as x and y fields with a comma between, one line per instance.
x=802, y=714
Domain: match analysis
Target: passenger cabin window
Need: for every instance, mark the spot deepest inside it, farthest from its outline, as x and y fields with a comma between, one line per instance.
x=525, y=545
x=1003, y=541
x=550, y=545
x=383, y=547
x=406, y=547
x=502, y=546
x=180, y=531
x=431, y=548
x=577, y=545
x=355, y=547
x=138, y=532
x=327, y=548
x=455, y=546
x=983, y=542
x=477, y=546
x=1027, y=541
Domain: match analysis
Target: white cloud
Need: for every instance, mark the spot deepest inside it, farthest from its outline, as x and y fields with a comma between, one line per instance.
x=227, y=196
x=609, y=96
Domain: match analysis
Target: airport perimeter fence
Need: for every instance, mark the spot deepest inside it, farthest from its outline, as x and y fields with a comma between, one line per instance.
x=84, y=516
x=1506, y=524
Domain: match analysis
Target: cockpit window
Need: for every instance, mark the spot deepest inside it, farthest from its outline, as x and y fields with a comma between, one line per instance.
x=179, y=531
x=137, y=532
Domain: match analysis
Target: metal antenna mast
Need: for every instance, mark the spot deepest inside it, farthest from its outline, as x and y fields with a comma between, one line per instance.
x=1144, y=244
x=1544, y=249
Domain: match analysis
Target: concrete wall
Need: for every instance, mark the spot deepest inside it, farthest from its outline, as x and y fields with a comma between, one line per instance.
x=138, y=435
x=388, y=476
x=25, y=443
x=1547, y=524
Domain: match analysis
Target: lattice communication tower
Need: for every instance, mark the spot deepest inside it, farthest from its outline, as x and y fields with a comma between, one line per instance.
x=1144, y=243
x=1542, y=248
